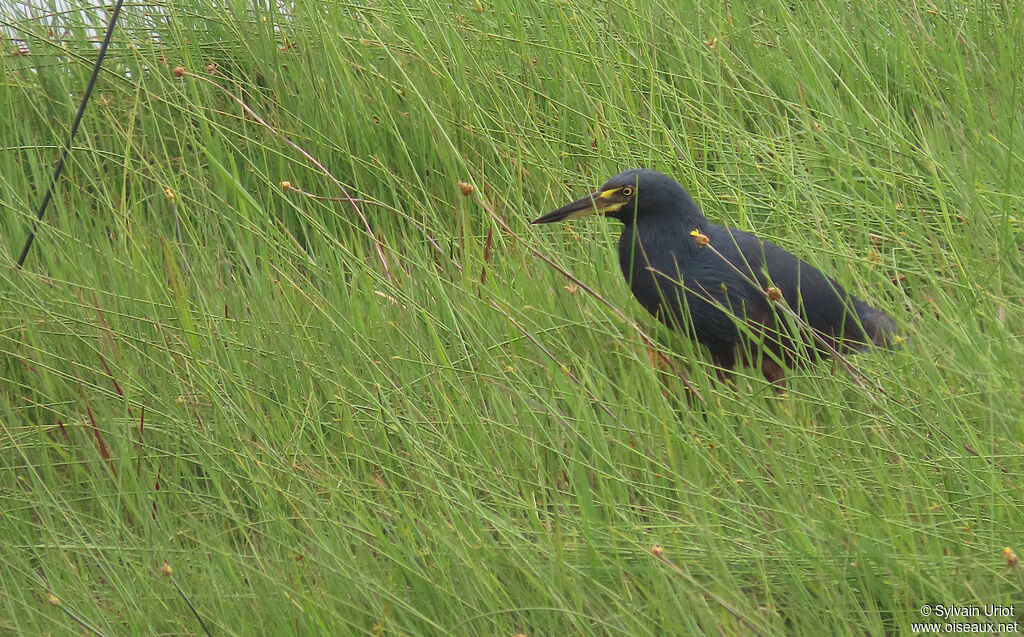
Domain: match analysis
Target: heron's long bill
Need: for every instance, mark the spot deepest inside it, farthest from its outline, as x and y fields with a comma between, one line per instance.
x=601, y=202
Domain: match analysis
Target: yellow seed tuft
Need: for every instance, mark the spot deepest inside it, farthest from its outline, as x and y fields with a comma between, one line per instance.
x=774, y=294
x=166, y=570
x=52, y=600
x=702, y=239
x=286, y=186
x=657, y=551
x=466, y=188
x=179, y=71
x=1011, y=557
x=169, y=193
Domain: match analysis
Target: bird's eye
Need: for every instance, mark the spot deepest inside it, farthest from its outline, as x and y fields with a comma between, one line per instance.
x=627, y=191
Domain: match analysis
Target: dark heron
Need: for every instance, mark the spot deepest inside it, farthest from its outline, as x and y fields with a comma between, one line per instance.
x=725, y=287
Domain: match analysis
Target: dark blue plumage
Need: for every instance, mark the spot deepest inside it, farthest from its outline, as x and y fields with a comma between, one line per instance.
x=691, y=287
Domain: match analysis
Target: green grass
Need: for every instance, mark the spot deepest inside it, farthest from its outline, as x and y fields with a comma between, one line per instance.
x=230, y=380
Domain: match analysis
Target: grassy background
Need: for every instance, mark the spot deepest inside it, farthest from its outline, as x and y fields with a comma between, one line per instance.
x=201, y=367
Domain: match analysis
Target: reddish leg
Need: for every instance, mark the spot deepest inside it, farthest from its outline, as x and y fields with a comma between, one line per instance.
x=724, y=359
x=774, y=373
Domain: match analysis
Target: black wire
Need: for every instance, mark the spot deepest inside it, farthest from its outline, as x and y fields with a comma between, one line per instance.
x=74, y=129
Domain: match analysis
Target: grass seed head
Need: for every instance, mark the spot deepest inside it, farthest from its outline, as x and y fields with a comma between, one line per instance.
x=1011, y=557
